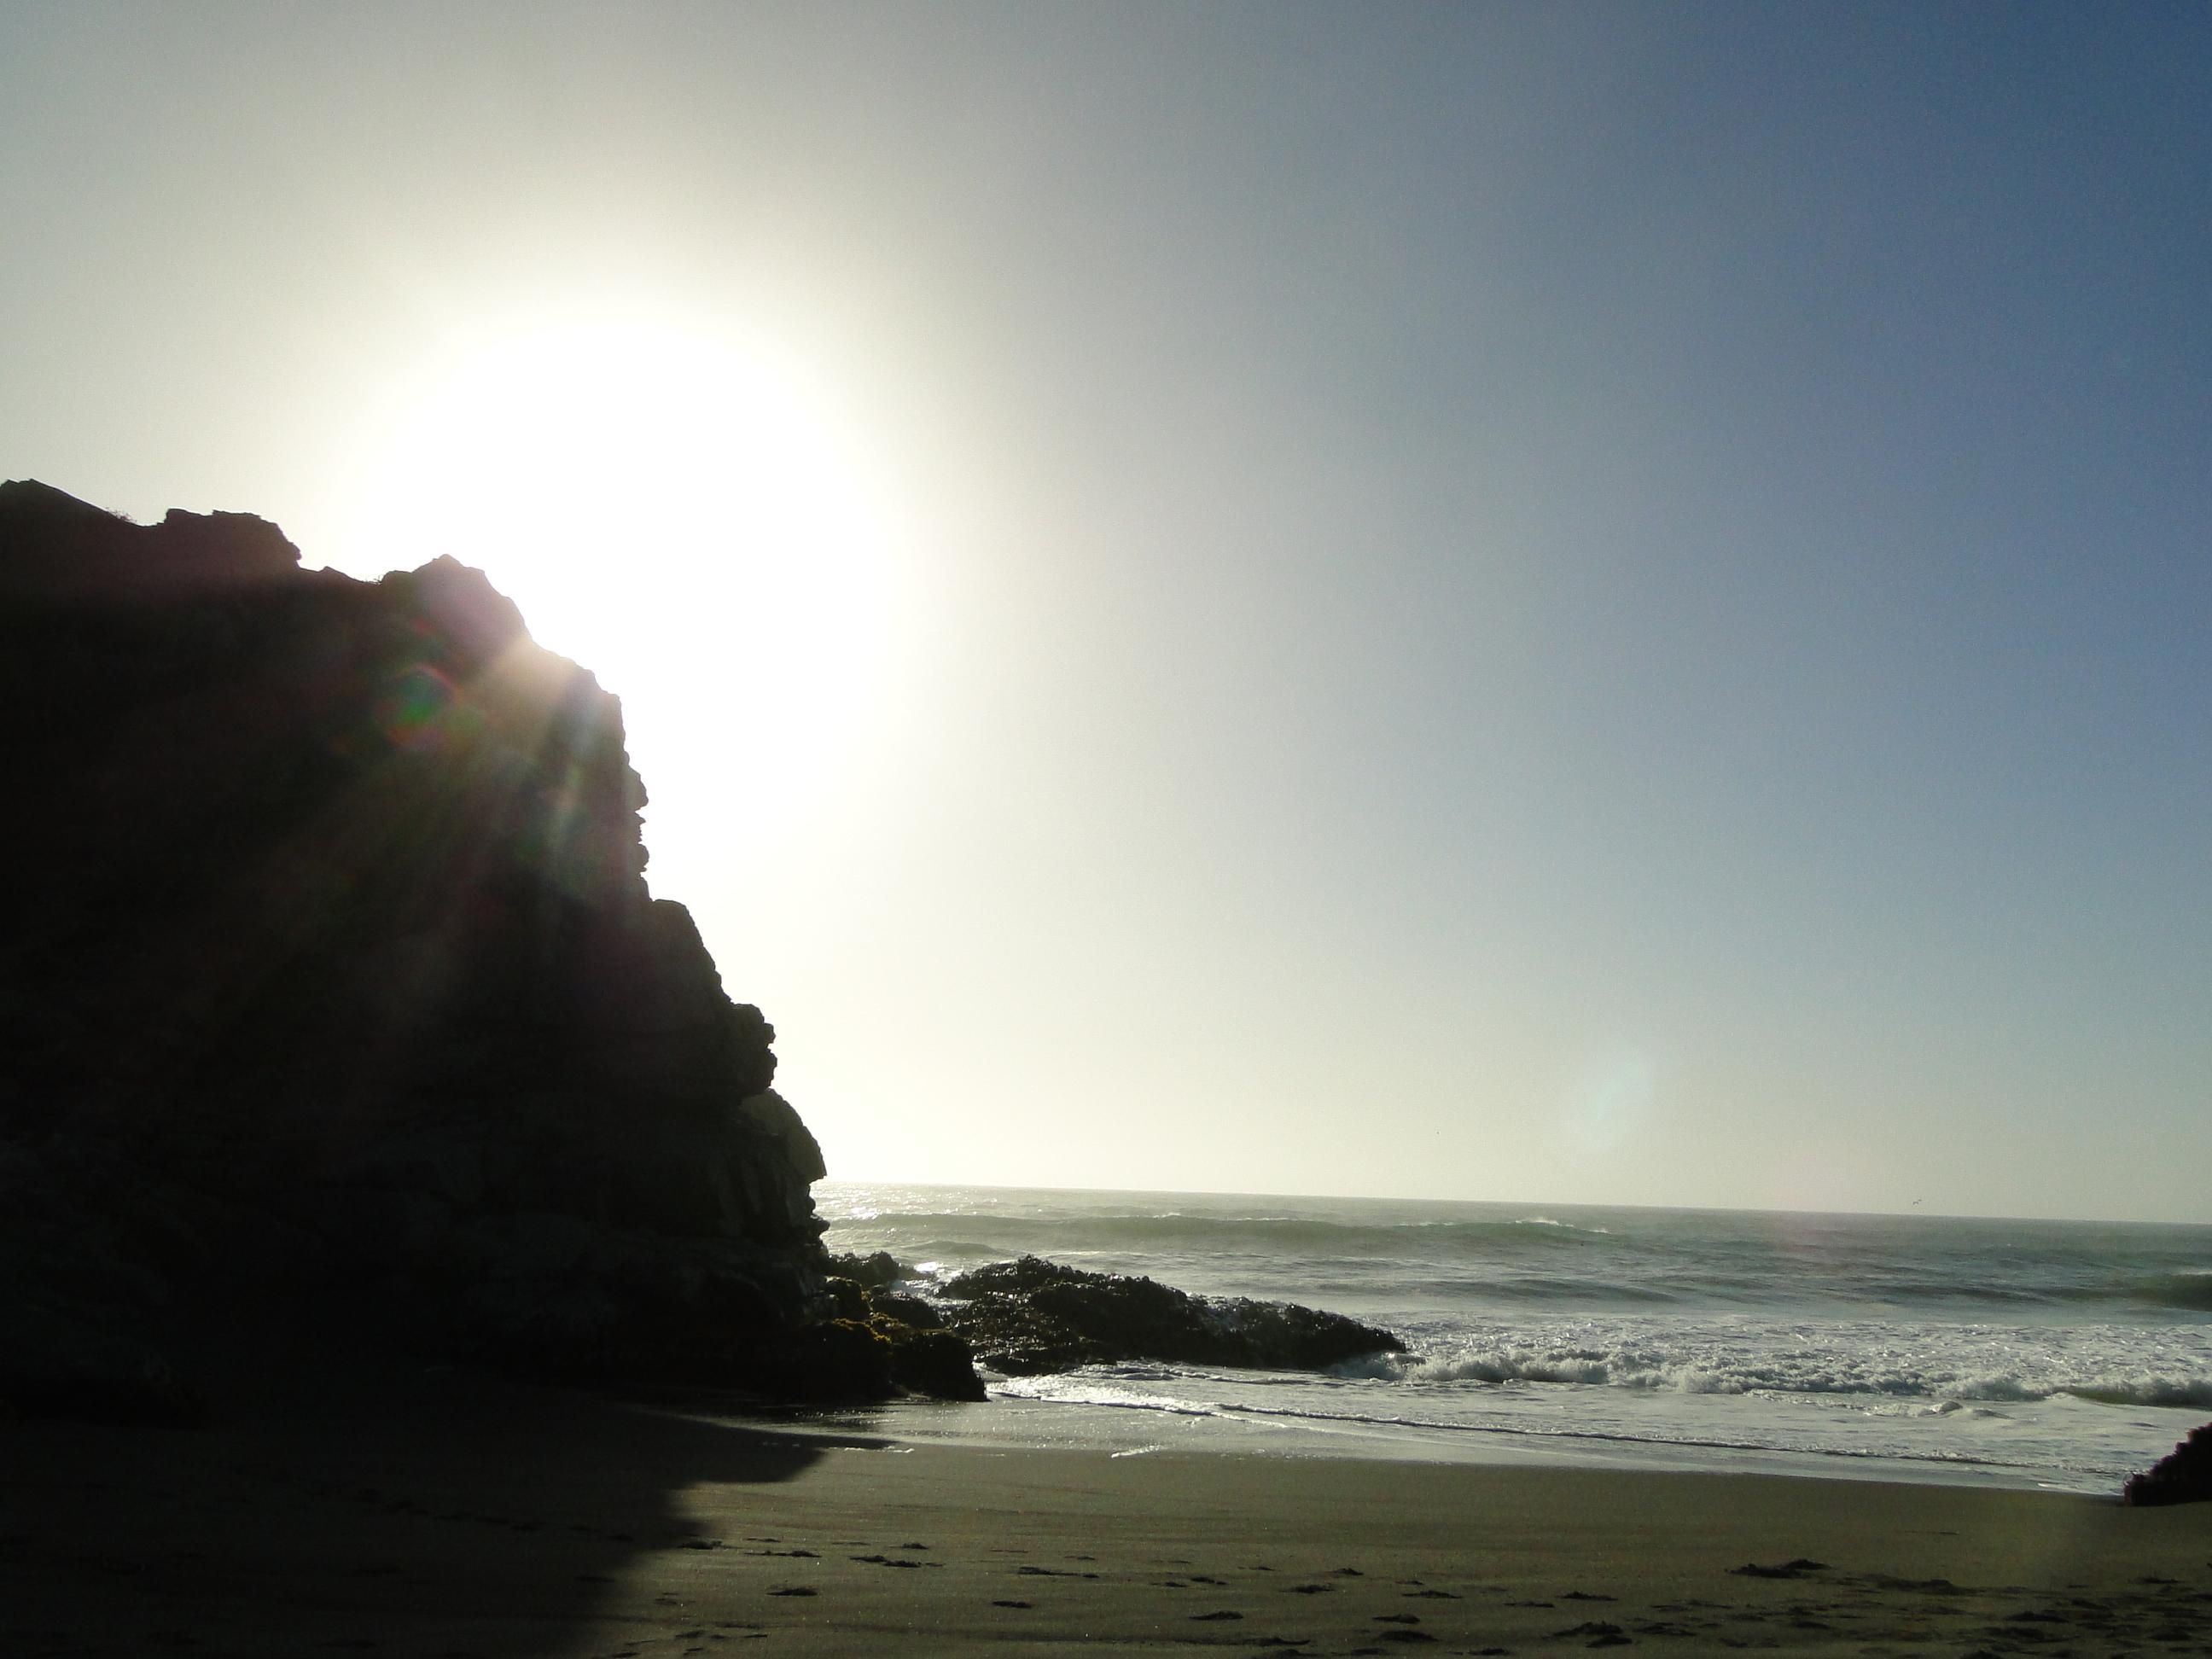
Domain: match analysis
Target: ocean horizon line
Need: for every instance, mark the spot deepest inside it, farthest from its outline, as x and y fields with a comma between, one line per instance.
x=1911, y=1213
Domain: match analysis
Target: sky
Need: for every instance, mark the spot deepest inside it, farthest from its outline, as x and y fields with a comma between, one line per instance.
x=1599, y=603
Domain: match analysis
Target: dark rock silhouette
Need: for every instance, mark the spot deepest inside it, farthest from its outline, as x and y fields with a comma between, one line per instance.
x=876, y=1271
x=1031, y=1315
x=935, y=1362
x=2183, y=1475
x=926, y=1357
x=333, y=988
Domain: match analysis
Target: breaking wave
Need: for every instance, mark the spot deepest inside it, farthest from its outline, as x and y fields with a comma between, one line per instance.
x=1807, y=1373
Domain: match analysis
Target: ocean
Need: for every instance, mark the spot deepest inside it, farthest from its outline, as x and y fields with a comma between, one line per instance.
x=2041, y=1354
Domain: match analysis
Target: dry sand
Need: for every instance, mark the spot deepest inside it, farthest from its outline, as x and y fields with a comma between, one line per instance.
x=428, y=1513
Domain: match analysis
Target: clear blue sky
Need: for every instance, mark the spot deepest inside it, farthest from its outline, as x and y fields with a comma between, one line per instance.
x=1571, y=602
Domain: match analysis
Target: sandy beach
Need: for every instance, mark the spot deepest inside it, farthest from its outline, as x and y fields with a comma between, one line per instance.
x=429, y=1513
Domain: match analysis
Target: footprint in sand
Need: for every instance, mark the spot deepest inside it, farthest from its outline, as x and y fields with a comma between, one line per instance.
x=1603, y=1635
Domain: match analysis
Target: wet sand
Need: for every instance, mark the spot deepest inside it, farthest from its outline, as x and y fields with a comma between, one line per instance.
x=434, y=1514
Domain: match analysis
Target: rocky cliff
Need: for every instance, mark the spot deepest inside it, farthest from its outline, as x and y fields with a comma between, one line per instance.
x=332, y=988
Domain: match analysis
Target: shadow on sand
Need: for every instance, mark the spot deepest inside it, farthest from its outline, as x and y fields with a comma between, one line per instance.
x=372, y=1508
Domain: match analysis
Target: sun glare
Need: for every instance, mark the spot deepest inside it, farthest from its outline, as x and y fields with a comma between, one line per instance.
x=679, y=508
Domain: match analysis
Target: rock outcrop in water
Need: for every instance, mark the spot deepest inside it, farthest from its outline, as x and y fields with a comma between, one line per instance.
x=334, y=994
x=1032, y=1316
x=2183, y=1475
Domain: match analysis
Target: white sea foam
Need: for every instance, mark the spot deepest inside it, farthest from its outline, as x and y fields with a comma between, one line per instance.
x=1739, y=1358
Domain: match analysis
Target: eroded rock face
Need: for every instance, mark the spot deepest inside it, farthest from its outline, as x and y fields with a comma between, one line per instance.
x=2183, y=1475
x=331, y=971
x=1032, y=1316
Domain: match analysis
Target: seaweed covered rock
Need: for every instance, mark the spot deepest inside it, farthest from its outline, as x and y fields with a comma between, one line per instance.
x=2183, y=1475
x=340, y=988
x=926, y=1359
x=1032, y=1316
x=937, y=1362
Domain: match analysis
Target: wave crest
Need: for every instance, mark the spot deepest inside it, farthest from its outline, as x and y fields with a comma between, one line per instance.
x=1648, y=1373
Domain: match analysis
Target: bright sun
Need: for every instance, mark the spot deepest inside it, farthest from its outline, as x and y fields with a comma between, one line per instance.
x=677, y=508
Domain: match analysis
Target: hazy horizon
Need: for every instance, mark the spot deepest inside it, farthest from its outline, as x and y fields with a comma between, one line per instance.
x=1596, y=604
x=1912, y=1212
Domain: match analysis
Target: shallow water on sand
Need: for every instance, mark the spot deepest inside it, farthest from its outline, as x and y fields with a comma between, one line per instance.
x=2018, y=1354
